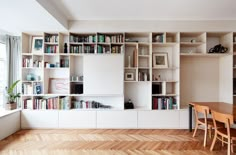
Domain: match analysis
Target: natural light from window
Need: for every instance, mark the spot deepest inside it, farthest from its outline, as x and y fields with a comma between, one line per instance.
x=3, y=73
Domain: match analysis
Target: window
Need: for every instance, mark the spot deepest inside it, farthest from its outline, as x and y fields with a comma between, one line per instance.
x=3, y=80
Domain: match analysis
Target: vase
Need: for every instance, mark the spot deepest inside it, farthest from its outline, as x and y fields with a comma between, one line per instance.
x=11, y=106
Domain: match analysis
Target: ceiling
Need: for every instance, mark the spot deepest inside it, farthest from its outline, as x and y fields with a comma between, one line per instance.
x=147, y=9
x=54, y=15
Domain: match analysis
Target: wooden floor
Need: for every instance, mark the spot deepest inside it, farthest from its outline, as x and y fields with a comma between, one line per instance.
x=107, y=142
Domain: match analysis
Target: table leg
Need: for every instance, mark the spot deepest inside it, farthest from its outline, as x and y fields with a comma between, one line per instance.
x=190, y=117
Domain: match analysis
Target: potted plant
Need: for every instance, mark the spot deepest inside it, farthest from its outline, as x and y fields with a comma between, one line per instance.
x=11, y=104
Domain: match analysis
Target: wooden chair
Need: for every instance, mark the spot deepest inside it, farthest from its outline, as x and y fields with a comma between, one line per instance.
x=224, y=133
x=207, y=123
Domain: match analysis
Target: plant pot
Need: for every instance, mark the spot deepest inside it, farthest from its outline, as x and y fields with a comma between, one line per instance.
x=11, y=106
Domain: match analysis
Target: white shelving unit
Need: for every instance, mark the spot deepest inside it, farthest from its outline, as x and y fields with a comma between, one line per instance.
x=112, y=67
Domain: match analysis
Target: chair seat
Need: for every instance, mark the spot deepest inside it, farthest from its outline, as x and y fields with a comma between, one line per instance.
x=232, y=132
x=210, y=122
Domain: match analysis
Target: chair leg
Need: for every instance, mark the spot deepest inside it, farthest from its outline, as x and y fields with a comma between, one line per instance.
x=228, y=147
x=222, y=141
x=213, y=142
x=210, y=129
x=232, y=146
x=195, y=130
x=205, y=137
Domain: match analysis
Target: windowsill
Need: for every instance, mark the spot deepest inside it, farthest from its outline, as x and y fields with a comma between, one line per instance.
x=8, y=112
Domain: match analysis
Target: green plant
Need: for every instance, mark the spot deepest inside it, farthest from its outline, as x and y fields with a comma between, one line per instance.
x=11, y=95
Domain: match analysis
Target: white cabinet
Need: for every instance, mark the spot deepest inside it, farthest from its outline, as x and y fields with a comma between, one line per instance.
x=9, y=124
x=77, y=119
x=166, y=119
x=184, y=118
x=39, y=119
x=103, y=74
x=117, y=119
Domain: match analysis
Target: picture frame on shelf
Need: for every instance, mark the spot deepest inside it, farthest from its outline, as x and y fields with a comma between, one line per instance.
x=129, y=76
x=37, y=45
x=58, y=86
x=160, y=60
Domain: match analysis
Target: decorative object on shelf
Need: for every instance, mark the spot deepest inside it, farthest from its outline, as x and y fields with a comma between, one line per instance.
x=11, y=104
x=37, y=44
x=218, y=49
x=129, y=76
x=142, y=51
x=129, y=64
x=158, y=38
x=30, y=77
x=157, y=88
x=160, y=60
x=145, y=77
x=58, y=86
x=65, y=48
x=57, y=64
x=129, y=104
x=193, y=41
x=81, y=78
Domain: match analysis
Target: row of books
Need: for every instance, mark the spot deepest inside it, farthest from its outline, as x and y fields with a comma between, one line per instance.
x=51, y=49
x=41, y=103
x=38, y=64
x=117, y=49
x=163, y=103
x=89, y=105
x=64, y=63
x=117, y=38
x=89, y=49
x=87, y=39
x=103, y=49
x=76, y=49
x=28, y=88
x=51, y=38
x=27, y=62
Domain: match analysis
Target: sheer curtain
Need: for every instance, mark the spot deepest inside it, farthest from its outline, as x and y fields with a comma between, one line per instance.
x=13, y=47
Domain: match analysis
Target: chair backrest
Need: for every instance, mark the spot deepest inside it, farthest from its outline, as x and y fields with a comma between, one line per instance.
x=227, y=119
x=201, y=109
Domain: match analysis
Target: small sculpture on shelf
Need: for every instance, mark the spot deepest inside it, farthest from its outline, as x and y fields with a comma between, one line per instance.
x=129, y=104
x=65, y=48
x=218, y=49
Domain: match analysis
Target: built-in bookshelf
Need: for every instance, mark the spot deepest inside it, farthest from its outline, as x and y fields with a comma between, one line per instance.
x=155, y=67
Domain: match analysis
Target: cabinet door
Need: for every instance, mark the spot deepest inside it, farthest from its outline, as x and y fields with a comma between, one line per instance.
x=161, y=119
x=77, y=119
x=39, y=119
x=103, y=74
x=117, y=119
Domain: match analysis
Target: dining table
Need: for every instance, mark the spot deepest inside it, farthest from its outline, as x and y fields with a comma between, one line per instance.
x=221, y=107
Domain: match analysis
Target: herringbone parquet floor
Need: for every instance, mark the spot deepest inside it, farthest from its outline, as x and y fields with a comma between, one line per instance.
x=107, y=142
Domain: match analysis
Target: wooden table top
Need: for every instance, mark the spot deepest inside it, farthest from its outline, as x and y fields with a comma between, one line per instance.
x=221, y=107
